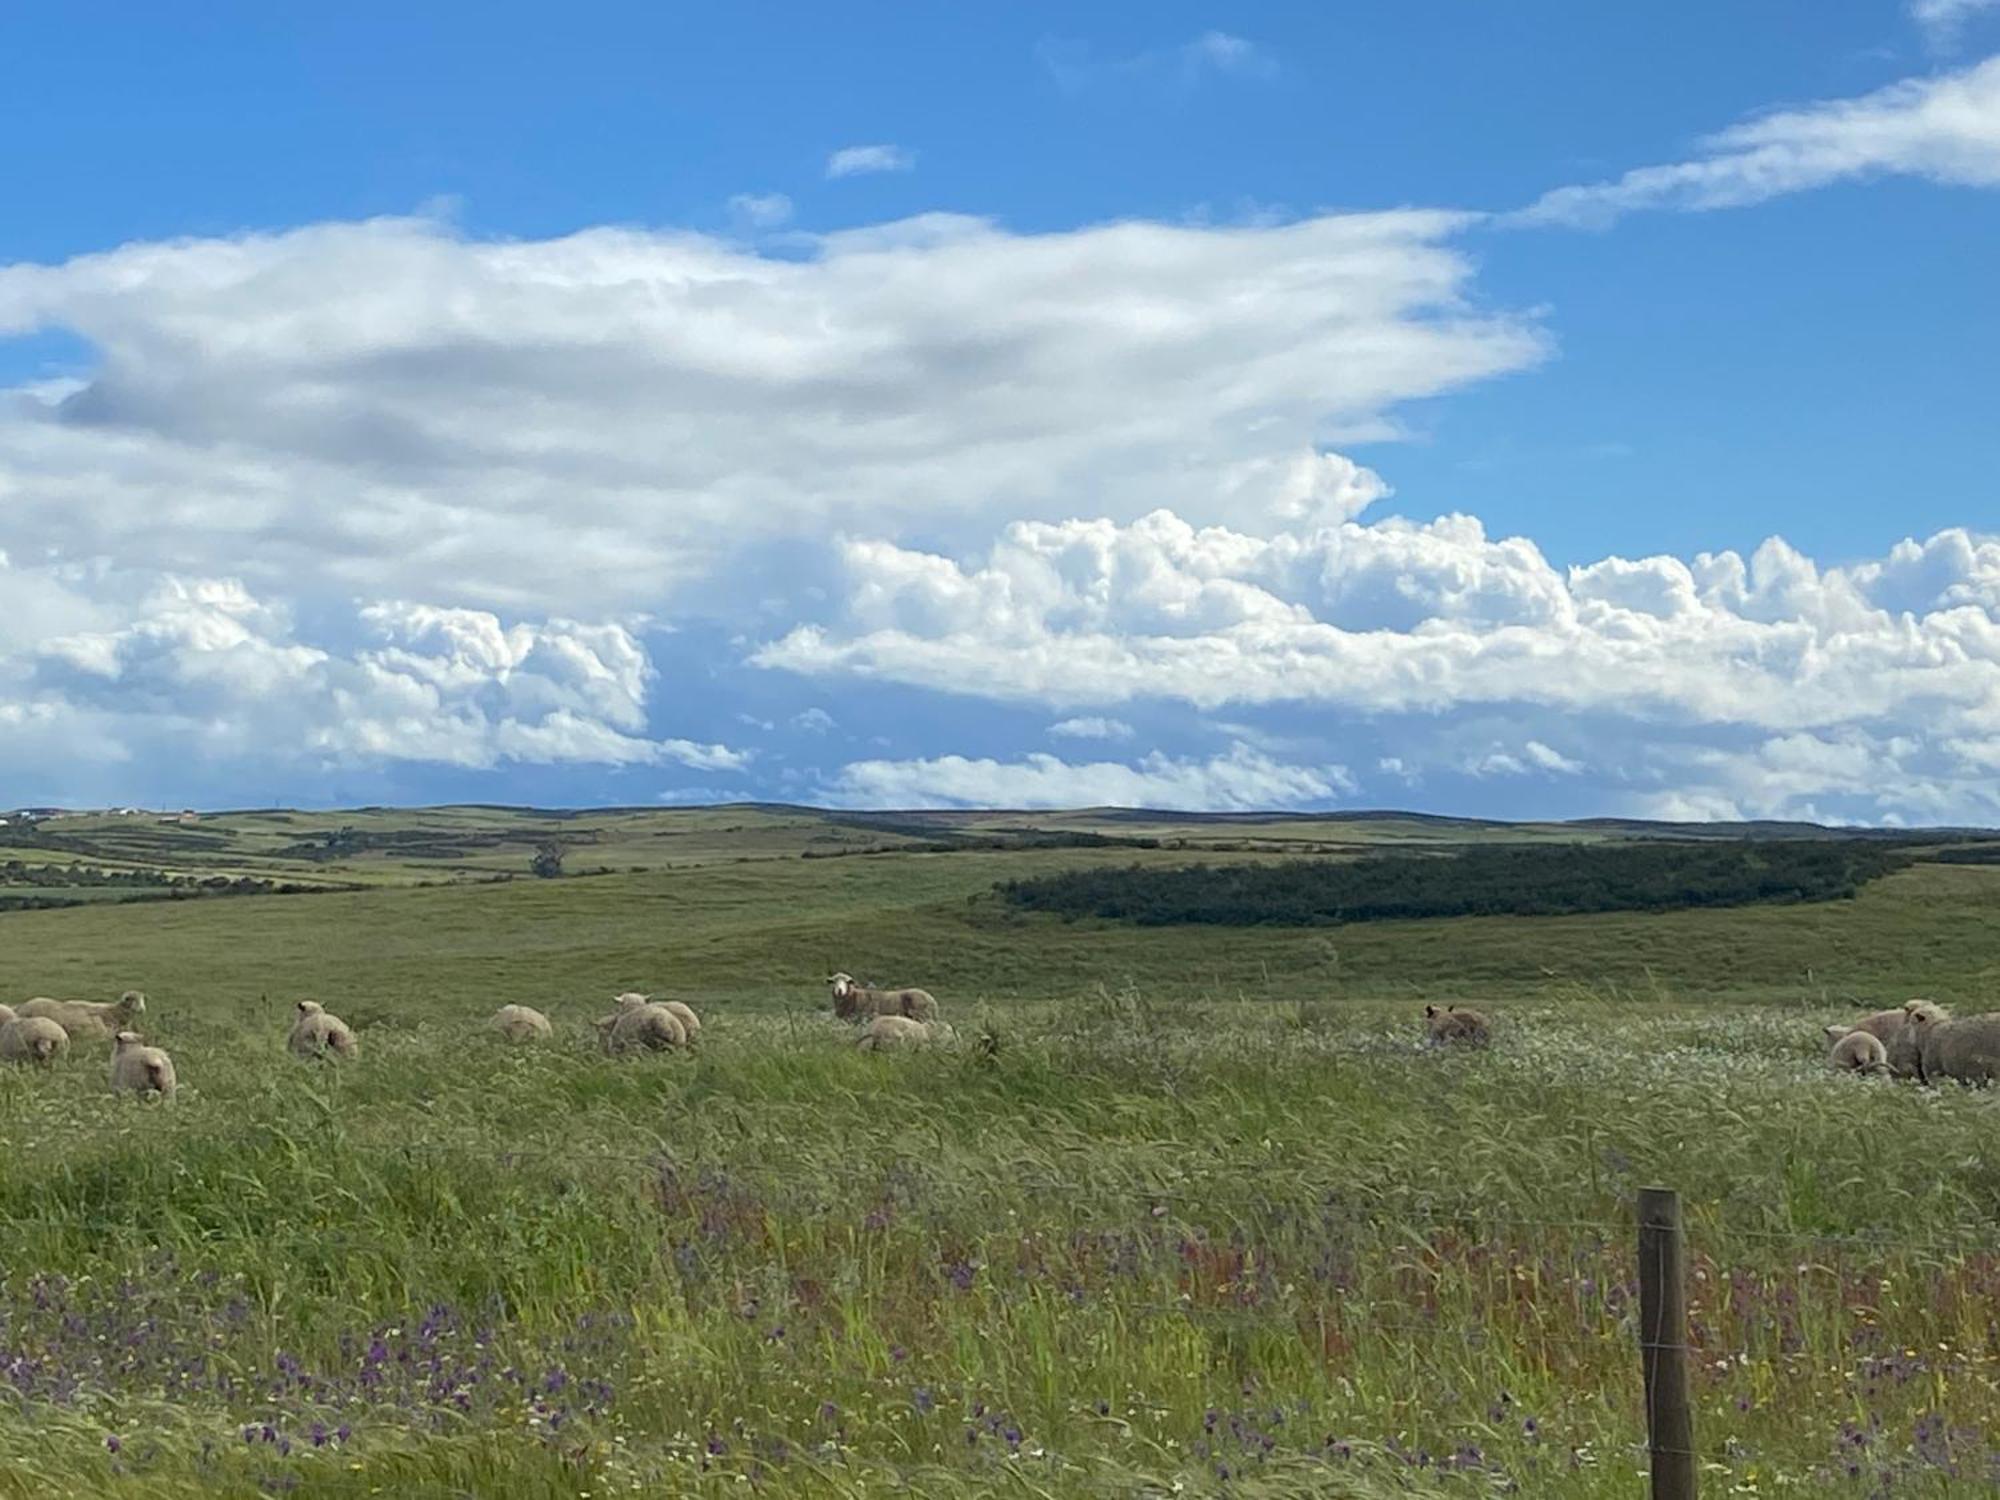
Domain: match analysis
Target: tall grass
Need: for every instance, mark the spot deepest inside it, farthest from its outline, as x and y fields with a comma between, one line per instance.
x=1109, y=1245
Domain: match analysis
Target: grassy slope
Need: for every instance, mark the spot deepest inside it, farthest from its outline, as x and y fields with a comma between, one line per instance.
x=1202, y=1219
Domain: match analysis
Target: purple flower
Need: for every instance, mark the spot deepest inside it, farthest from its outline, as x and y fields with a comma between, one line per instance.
x=111, y=1443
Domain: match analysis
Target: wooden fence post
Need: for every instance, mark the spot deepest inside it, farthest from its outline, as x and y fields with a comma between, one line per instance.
x=1663, y=1346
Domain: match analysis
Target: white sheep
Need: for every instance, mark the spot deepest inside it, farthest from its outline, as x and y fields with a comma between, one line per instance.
x=521, y=1023
x=690, y=1022
x=885, y=1032
x=30, y=1039
x=318, y=1033
x=89, y=1018
x=642, y=1027
x=1859, y=1051
x=139, y=1068
x=852, y=1001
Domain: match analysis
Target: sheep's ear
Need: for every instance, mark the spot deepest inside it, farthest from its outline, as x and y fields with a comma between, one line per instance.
x=1430, y=1012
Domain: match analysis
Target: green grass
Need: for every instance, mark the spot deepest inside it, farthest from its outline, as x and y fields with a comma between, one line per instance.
x=1180, y=1209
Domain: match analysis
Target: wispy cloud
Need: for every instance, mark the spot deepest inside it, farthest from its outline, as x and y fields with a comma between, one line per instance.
x=760, y=210
x=856, y=161
x=1945, y=128
x=1240, y=781
x=1212, y=54
x=1092, y=728
x=1942, y=19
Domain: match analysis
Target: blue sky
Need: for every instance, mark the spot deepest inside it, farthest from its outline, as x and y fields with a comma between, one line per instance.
x=1345, y=405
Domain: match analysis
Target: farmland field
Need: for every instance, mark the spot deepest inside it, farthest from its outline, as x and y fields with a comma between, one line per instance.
x=1184, y=1209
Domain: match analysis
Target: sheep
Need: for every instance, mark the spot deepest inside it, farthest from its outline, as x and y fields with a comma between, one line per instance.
x=1454, y=1023
x=521, y=1023
x=900, y=1031
x=1906, y=1042
x=1965, y=1049
x=1882, y=1025
x=139, y=1068
x=316, y=1033
x=30, y=1039
x=89, y=1018
x=690, y=1022
x=853, y=1002
x=642, y=1027
x=1859, y=1051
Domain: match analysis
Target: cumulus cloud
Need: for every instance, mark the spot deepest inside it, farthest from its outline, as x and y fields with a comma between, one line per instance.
x=1092, y=727
x=1241, y=780
x=1944, y=128
x=612, y=421
x=203, y=669
x=855, y=161
x=1723, y=668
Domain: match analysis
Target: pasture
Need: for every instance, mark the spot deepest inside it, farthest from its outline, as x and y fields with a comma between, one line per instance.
x=1185, y=1211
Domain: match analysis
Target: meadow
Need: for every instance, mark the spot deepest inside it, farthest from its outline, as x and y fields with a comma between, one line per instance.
x=1185, y=1211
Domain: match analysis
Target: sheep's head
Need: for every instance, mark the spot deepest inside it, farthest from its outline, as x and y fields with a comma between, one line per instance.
x=1923, y=1013
x=630, y=1000
x=132, y=1001
x=7, y=1016
x=1835, y=1033
x=1431, y=1012
x=310, y=1007
x=126, y=1039
x=840, y=984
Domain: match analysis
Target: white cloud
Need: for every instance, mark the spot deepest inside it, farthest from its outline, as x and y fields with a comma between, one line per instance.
x=1092, y=727
x=1872, y=684
x=610, y=421
x=1944, y=128
x=813, y=721
x=1242, y=780
x=761, y=210
x=854, y=161
x=1942, y=19
x=1213, y=54
x=202, y=669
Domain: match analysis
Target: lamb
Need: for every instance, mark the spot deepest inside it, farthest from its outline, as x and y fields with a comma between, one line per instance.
x=641, y=1027
x=30, y=1039
x=1859, y=1051
x=1966, y=1049
x=853, y=1001
x=89, y=1018
x=316, y=1033
x=521, y=1023
x=139, y=1068
x=900, y=1031
x=690, y=1022
x=1454, y=1023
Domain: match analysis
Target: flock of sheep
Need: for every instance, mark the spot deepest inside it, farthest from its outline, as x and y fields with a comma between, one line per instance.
x=1920, y=1040
x=41, y=1031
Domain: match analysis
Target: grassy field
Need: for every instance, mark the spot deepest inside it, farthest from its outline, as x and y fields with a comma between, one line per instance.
x=1184, y=1211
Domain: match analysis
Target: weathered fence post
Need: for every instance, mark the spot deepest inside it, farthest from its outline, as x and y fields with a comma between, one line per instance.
x=1663, y=1346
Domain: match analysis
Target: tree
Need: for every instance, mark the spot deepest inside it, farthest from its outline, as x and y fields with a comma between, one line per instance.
x=548, y=860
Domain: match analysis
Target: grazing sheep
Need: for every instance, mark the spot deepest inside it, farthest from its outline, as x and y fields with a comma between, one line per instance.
x=642, y=1027
x=690, y=1022
x=853, y=1001
x=30, y=1039
x=139, y=1068
x=89, y=1018
x=1906, y=1042
x=1859, y=1051
x=521, y=1023
x=1454, y=1023
x=316, y=1033
x=1966, y=1049
x=900, y=1031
